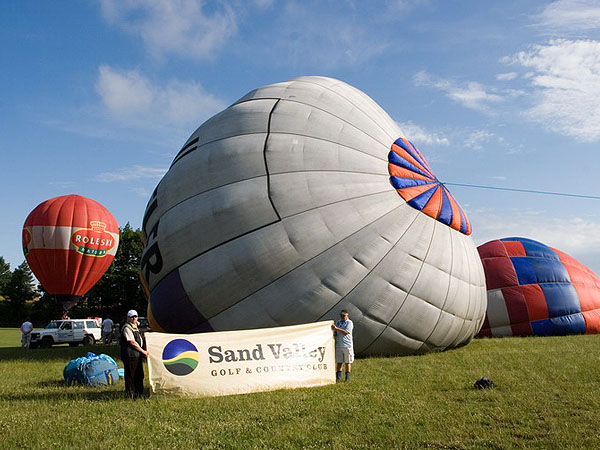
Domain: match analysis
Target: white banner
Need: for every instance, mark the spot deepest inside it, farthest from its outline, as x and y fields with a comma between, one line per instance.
x=238, y=362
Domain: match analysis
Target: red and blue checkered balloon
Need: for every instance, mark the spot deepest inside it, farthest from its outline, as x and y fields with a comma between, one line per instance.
x=537, y=290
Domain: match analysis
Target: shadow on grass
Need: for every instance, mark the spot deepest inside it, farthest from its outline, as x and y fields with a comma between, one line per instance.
x=67, y=394
x=56, y=390
x=56, y=353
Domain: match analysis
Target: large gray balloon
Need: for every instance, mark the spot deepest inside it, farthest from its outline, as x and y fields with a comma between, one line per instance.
x=282, y=210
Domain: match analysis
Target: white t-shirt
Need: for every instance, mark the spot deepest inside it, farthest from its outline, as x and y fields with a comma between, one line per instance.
x=27, y=327
x=128, y=334
x=344, y=340
x=107, y=325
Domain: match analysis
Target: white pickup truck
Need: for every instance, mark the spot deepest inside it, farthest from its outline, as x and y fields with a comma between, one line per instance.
x=69, y=331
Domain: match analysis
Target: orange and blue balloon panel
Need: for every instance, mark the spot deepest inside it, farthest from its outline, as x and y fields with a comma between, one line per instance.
x=414, y=180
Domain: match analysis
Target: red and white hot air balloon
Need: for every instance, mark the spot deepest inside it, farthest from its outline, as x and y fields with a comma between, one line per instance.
x=69, y=242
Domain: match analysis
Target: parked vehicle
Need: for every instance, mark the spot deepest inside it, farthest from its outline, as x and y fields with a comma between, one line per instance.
x=143, y=324
x=69, y=331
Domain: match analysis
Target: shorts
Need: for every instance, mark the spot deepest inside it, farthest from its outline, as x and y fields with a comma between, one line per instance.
x=344, y=355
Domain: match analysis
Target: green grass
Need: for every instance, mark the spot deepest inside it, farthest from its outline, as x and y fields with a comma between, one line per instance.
x=546, y=397
x=10, y=337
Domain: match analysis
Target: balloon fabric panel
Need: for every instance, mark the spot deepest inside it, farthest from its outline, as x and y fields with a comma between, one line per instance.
x=545, y=291
x=499, y=272
x=317, y=225
x=585, y=282
x=536, y=301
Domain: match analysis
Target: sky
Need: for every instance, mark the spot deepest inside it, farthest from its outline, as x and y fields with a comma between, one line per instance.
x=97, y=97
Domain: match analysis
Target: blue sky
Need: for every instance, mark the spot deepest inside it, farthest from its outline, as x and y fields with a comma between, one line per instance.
x=97, y=97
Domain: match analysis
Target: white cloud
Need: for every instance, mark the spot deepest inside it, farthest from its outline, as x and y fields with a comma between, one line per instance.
x=578, y=237
x=506, y=76
x=566, y=78
x=419, y=135
x=471, y=94
x=127, y=95
x=132, y=173
x=180, y=27
x=567, y=16
x=141, y=192
x=124, y=93
x=476, y=139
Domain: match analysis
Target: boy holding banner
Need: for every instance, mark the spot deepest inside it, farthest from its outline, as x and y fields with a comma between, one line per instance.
x=344, y=347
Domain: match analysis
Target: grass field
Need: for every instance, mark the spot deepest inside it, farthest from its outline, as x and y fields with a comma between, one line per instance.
x=546, y=397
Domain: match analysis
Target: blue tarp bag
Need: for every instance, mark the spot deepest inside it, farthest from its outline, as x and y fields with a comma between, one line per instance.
x=71, y=370
x=92, y=369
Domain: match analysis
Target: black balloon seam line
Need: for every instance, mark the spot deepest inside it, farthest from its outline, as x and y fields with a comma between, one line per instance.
x=408, y=293
x=267, y=163
x=282, y=217
x=387, y=175
x=187, y=146
x=150, y=207
x=201, y=146
x=383, y=144
x=262, y=175
x=312, y=258
x=449, y=282
x=387, y=191
x=267, y=225
x=175, y=205
x=288, y=133
x=328, y=113
x=338, y=94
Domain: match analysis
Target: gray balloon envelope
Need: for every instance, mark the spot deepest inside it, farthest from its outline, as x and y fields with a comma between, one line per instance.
x=302, y=199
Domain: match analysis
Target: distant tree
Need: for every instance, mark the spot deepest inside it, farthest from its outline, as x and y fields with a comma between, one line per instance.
x=19, y=290
x=44, y=309
x=119, y=289
x=5, y=275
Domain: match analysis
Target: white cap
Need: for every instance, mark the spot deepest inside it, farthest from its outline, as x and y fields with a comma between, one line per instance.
x=132, y=313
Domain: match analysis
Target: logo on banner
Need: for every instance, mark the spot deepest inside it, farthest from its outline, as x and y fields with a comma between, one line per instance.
x=180, y=357
x=94, y=241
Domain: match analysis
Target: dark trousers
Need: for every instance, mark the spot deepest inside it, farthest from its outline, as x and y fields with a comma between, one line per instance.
x=134, y=376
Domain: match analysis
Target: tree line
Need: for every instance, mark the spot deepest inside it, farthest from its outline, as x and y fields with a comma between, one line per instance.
x=118, y=291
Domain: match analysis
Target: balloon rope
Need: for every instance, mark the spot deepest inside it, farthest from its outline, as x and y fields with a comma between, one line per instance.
x=531, y=191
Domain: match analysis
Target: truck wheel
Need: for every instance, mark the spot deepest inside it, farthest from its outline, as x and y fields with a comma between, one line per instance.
x=89, y=340
x=46, y=342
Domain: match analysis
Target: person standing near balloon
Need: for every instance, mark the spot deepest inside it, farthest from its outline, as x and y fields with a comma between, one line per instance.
x=344, y=346
x=107, y=329
x=132, y=354
x=26, y=329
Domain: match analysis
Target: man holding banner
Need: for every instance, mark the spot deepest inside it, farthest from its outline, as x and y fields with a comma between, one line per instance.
x=133, y=354
x=344, y=347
